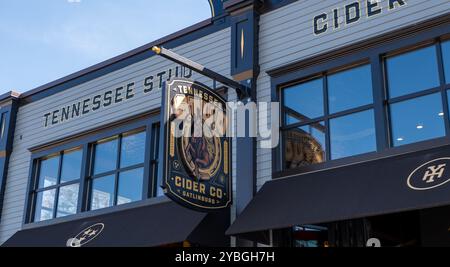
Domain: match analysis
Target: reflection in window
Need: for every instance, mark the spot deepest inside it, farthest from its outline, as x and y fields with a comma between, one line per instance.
x=48, y=172
x=71, y=166
x=412, y=72
x=103, y=192
x=58, y=184
x=45, y=204
x=105, y=159
x=133, y=149
x=446, y=58
x=129, y=172
x=304, y=101
x=305, y=145
x=352, y=135
x=417, y=120
x=130, y=186
x=350, y=89
x=68, y=200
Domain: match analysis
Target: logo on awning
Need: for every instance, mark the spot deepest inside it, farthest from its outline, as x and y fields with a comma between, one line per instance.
x=430, y=175
x=86, y=236
x=197, y=151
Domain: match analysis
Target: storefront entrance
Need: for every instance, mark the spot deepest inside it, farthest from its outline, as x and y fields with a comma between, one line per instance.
x=424, y=228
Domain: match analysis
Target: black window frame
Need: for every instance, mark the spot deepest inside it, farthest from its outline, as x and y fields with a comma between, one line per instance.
x=149, y=123
x=373, y=51
x=57, y=187
x=328, y=116
x=118, y=169
x=441, y=89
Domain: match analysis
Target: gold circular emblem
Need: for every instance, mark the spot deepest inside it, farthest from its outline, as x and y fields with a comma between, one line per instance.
x=202, y=156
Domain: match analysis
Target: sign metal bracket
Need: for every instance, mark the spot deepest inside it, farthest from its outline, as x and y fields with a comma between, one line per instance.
x=243, y=91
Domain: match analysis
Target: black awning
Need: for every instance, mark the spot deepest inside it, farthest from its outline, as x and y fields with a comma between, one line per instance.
x=413, y=181
x=151, y=225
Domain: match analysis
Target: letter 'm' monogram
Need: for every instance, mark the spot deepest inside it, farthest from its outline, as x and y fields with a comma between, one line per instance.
x=434, y=172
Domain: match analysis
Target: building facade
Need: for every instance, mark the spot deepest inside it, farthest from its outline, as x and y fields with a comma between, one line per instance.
x=364, y=135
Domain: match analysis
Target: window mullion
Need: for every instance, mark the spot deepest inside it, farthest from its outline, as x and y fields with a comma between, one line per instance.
x=83, y=194
x=415, y=95
x=93, y=177
x=116, y=182
x=53, y=187
x=303, y=123
x=327, y=120
x=155, y=164
x=55, y=210
x=350, y=112
x=440, y=64
x=148, y=188
x=379, y=96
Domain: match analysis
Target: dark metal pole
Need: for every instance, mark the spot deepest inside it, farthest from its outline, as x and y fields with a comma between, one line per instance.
x=242, y=91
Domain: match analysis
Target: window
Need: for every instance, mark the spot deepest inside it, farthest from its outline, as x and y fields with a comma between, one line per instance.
x=338, y=113
x=415, y=97
x=418, y=119
x=118, y=170
x=329, y=117
x=353, y=134
x=105, y=169
x=57, y=193
x=412, y=72
x=304, y=101
x=350, y=89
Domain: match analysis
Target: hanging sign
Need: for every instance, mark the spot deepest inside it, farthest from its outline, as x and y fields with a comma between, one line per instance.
x=197, y=167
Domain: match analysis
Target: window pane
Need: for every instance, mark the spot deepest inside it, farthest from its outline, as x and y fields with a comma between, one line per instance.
x=102, y=192
x=304, y=101
x=45, y=204
x=130, y=186
x=417, y=120
x=133, y=150
x=71, y=166
x=305, y=145
x=353, y=135
x=48, y=175
x=350, y=89
x=106, y=156
x=446, y=57
x=68, y=200
x=412, y=72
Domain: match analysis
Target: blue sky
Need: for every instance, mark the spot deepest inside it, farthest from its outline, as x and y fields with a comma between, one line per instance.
x=43, y=40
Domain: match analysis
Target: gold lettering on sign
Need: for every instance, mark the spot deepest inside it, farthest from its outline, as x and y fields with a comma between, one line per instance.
x=225, y=157
x=172, y=143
